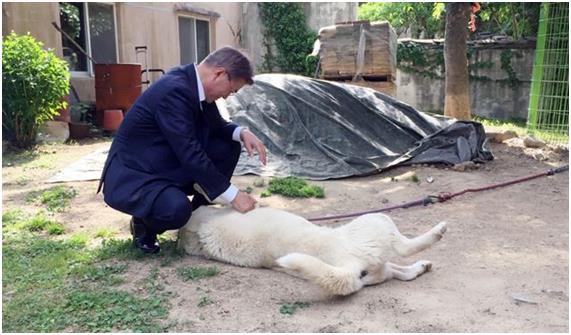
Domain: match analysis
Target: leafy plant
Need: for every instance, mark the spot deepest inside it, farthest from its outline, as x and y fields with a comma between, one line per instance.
x=82, y=112
x=285, y=24
x=205, y=301
x=295, y=188
x=195, y=273
x=292, y=308
x=34, y=82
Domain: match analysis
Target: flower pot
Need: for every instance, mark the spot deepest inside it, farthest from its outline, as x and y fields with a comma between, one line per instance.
x=112, y=119
x=78, y=130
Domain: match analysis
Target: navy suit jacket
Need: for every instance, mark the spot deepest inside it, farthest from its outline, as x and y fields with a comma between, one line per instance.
x=161, y=142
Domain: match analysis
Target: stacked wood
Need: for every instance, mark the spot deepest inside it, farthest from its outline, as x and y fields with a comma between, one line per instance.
x=339, y=47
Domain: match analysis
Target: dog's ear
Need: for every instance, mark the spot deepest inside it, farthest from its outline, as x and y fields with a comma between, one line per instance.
x=336, y=280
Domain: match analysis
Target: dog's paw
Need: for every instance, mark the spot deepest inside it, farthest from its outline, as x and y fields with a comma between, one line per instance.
x=426, y=266
x=440, y=229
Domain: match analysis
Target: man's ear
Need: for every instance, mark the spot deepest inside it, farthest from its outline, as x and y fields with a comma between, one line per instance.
x=218, y=71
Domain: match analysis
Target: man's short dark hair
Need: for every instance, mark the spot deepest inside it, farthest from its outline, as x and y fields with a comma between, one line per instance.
x=233, y=61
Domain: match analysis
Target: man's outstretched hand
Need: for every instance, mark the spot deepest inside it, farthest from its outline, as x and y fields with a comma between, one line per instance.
x=243, y=202
x=253, y=143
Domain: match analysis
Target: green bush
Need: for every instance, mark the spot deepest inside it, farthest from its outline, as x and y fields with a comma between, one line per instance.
x=34, y=83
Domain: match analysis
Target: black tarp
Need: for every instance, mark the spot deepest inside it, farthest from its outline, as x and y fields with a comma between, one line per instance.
x=318, y=129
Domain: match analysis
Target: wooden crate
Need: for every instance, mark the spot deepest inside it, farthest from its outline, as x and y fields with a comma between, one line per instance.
x=339, y=45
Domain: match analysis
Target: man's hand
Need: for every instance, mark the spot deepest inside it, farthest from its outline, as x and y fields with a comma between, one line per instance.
x=243, y=202
x=251, y=142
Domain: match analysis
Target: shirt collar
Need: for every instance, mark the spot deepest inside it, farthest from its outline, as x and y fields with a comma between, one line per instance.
x=201, y=95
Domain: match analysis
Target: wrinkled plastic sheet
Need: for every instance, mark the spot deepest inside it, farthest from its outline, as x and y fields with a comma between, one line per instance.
x=319, y=130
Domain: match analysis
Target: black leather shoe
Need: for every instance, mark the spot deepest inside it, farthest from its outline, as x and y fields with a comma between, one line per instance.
x=143, y=239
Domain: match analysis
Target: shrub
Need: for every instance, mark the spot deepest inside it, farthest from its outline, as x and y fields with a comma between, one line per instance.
x=34, y=82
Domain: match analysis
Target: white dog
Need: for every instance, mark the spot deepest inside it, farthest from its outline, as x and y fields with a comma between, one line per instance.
x=341, y=260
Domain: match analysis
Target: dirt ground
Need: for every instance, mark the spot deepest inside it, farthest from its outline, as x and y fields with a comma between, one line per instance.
x=503, y=265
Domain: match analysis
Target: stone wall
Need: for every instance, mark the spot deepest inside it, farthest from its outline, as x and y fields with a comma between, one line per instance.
x=493, y=97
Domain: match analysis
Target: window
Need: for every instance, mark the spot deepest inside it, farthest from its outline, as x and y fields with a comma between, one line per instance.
x=194, y=37
x=92, y=26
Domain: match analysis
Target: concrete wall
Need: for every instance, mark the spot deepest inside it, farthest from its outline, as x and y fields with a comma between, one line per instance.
x=34, y=18
x=489, y=98
x=318, y=14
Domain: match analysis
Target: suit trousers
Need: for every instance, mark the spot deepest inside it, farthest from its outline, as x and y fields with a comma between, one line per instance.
x=172, y=208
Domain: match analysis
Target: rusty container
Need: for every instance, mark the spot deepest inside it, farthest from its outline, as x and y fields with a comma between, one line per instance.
x=117, y=86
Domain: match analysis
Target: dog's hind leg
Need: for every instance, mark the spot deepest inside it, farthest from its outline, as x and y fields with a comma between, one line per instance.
x=408, y=246
x=408, y=272
x=336, y=280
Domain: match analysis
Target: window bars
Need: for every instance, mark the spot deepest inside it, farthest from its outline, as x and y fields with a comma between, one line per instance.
x=548, y=116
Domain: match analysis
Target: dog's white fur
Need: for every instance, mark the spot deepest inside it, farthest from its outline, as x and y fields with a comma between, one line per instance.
x=341, y=260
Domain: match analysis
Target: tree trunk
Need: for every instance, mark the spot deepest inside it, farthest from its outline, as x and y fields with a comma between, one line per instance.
x=457, y=101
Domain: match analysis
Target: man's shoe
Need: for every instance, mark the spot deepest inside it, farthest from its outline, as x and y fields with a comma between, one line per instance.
x=143, y=239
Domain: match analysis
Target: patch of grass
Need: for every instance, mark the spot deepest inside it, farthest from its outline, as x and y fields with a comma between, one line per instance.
x=107, y=310
x=15, y=157
x=195, y=273
x=292, y=308
x=107, y=274
x=205, y=301
x=12, y=216
x=56, y=199
x=55, y=228
x=15, y=221
x=414, y=179
x=59, y=285
x=124, y=250
x=104, y=233
x=152, y=283
x=294, y=187
x=265, y=194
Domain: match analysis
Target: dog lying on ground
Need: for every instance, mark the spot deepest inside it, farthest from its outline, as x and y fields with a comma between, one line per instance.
x=341, y=260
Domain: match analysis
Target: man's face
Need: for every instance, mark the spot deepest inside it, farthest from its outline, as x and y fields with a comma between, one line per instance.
x=222, y=85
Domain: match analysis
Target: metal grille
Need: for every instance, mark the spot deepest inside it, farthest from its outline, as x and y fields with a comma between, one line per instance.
x=548, y=116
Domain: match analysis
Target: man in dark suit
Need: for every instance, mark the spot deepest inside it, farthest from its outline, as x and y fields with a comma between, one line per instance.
x=173, y=143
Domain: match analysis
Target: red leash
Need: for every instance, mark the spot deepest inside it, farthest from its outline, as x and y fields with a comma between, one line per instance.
x=444, y=196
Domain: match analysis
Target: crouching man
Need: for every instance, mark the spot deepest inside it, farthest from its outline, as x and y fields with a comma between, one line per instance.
x=173, y=143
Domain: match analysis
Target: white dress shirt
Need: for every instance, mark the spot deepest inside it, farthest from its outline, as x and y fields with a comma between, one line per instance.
x=232, y=191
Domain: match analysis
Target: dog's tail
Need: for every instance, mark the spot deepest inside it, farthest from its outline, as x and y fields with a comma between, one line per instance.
x=336, y=280
x=408, y=246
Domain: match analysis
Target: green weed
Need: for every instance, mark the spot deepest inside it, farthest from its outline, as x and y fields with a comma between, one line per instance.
x=195, y=273
x=265, y=194
x=12, y=216
x=107, y=274
x=292, y=308
x=56, y=199
x=294, y=187
x=104, y=233
x=55, y=228
x=205, y=301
